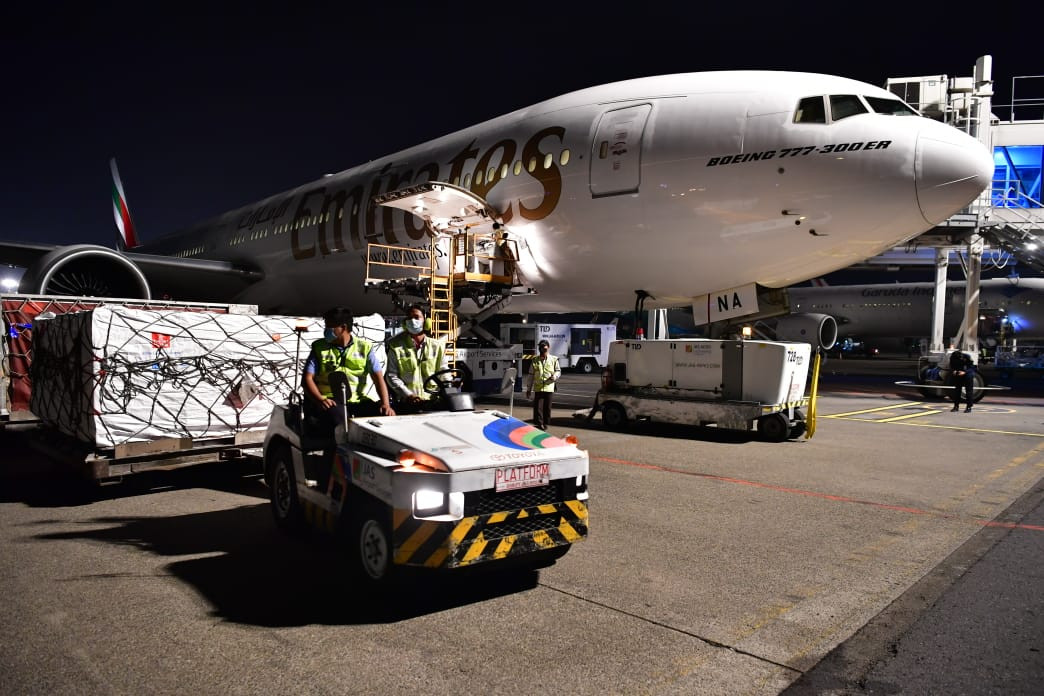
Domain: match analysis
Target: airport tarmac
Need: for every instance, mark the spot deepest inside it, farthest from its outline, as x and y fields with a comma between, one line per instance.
x=897, y=551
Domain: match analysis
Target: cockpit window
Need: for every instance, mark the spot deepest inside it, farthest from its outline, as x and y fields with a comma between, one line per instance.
x=845, y=105
x=890, y=107
x=810, y=110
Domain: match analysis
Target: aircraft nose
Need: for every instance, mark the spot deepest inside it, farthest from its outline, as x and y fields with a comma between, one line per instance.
x=952, y=169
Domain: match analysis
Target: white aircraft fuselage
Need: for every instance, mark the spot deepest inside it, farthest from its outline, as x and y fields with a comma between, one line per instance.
x=904, y=310
x=677, y=185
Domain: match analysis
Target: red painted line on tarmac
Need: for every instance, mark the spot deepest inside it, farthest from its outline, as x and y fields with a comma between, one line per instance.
x=815, y=494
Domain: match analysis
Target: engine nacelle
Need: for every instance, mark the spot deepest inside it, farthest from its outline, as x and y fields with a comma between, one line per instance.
x=85, y=270
x=818, y=329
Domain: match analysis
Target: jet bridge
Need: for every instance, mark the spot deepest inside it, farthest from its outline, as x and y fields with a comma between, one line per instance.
x=1004, y=220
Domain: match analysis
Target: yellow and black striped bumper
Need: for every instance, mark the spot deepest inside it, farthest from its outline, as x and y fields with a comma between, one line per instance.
x=487, y=537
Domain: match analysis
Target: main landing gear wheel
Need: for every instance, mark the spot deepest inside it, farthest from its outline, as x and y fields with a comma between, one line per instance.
x=614, y=416
x=286, y=507
x=774, y=427
x=587, y=367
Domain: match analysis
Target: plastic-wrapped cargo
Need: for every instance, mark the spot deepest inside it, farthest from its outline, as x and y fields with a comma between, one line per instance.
x=19, y=313
x=112, y=375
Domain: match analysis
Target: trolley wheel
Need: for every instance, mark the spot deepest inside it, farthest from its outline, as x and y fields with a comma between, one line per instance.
x=587, y=366
x=797, y=430
x=614, y=416
x=774, y=427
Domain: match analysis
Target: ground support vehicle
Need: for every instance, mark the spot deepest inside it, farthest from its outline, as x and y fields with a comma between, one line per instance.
x=436, y=490
x=934, y=379
x=582, y=347
x=730, y=384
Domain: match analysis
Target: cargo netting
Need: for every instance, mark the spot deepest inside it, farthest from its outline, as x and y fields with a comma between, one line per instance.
x=20, y=312
x=113, y=375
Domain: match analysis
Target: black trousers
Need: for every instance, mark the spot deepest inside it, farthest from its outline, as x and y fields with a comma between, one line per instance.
x=542, y=409
x=965, y=382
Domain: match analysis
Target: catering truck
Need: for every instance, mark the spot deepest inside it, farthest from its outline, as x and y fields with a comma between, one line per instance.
x=730, y=384
x=444, y=489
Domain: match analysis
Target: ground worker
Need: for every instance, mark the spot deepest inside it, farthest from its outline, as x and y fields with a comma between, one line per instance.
x=413, y=356
x=544, y=373
x=962, y=376
x=352, y=356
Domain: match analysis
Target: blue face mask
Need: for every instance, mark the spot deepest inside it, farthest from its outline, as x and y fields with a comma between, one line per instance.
x=329, y=335
x=414, y=326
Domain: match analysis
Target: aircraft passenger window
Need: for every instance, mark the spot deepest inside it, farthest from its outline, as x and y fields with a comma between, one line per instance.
x=478, y=177
x=564, y=159
x=503, y=170
x=532, y=164
x=456, y=181
x=518, y=167
x=467, y=181
x=491, y=174
x=889, y=107
x=603, y=151
x=548, y=159
x=845, y=105
x=810, y=110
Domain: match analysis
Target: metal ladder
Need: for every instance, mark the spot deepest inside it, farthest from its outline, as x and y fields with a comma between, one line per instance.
x=440, y=303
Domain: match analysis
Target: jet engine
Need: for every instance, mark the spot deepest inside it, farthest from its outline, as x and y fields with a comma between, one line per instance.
x=85, y=270
x=818, y=329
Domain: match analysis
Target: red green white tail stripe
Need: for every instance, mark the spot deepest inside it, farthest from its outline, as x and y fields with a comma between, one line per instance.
x=128, y=236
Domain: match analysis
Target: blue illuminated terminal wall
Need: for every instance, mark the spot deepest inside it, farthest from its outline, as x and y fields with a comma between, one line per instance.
x=1017, y=175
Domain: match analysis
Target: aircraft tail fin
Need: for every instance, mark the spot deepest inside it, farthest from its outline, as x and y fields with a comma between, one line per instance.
x=128, y=235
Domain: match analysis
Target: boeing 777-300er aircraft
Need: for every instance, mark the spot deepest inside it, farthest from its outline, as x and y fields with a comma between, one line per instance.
x=680, y=186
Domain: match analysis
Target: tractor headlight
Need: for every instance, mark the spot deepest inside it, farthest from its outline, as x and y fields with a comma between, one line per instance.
x=438, y=506
x=424, y=501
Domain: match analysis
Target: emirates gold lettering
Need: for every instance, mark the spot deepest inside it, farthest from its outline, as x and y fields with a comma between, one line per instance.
x=317, y=227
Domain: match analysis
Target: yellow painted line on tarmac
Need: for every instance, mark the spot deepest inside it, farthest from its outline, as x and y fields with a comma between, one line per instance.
x=874, y=410
x=935, y=425
x=908, y=415
x=971, y=430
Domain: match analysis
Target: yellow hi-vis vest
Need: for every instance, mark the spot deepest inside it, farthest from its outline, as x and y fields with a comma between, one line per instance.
x=352, y=362
x=407, y=369
x=544, y=373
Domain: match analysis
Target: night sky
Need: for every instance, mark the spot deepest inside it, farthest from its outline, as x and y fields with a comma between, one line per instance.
x=208, y=111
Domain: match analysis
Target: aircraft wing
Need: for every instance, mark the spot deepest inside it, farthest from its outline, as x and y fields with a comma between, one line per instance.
x=84, y=269
x=23, y=253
